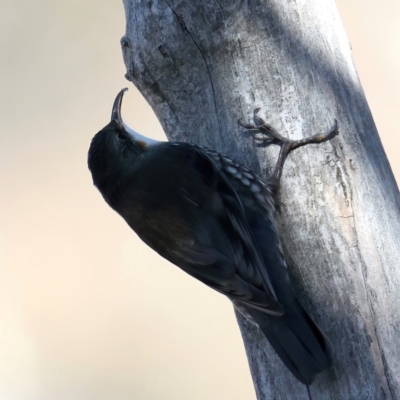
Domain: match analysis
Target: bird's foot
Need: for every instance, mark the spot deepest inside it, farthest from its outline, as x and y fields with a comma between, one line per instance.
x=287, y=145
x=272, y=135
x=260, y=126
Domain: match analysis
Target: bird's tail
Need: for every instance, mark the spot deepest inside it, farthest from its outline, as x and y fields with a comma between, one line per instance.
x=297, y=340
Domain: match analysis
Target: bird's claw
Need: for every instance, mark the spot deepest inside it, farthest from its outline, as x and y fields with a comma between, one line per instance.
x=287, y=145
x=246, y=125
x=272, y=135
x=259, y=122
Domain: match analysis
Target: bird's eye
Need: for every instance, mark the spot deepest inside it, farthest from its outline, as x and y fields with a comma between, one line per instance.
x=121, y=137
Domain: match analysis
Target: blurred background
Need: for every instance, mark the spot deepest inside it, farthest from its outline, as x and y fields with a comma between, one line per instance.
x=86, y=310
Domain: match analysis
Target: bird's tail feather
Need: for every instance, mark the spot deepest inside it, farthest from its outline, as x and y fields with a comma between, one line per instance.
x=297, y=340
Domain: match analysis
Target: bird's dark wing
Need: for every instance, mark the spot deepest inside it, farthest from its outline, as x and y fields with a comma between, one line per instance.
x=221, y=250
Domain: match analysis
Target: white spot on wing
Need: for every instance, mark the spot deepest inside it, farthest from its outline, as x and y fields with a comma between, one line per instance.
x=248, y=175
x=260, y=197
x=238, y=175
x=231, y=170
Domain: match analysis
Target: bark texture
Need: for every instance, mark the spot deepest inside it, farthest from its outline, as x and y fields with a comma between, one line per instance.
x=202, y=65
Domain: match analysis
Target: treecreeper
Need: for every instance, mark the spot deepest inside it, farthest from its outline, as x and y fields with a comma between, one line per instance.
x=214, y=219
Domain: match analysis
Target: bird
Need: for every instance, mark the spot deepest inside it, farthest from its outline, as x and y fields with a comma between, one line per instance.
x=213, y=218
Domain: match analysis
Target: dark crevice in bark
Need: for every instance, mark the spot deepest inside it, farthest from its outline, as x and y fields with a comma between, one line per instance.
x=385, y=388
x=385, y=368
x=185, y=28
x=367, y=291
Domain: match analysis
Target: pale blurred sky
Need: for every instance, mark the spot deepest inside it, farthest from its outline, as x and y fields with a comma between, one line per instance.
x=86, y=311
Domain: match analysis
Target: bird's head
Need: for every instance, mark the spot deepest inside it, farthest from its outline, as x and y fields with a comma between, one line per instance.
x=115, y=150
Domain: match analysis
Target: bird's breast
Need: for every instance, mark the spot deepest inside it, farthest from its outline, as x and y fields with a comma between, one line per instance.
x=163, y=215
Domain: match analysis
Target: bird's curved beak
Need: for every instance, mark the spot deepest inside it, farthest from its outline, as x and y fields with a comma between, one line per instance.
x=116, y=110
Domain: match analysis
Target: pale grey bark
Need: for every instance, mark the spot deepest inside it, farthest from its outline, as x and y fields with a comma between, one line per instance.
x=204, y=64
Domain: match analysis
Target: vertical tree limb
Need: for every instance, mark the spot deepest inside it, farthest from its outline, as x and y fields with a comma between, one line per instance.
x=202, y=65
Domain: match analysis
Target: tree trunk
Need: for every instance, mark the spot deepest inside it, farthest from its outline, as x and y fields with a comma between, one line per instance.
x=202, y=65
